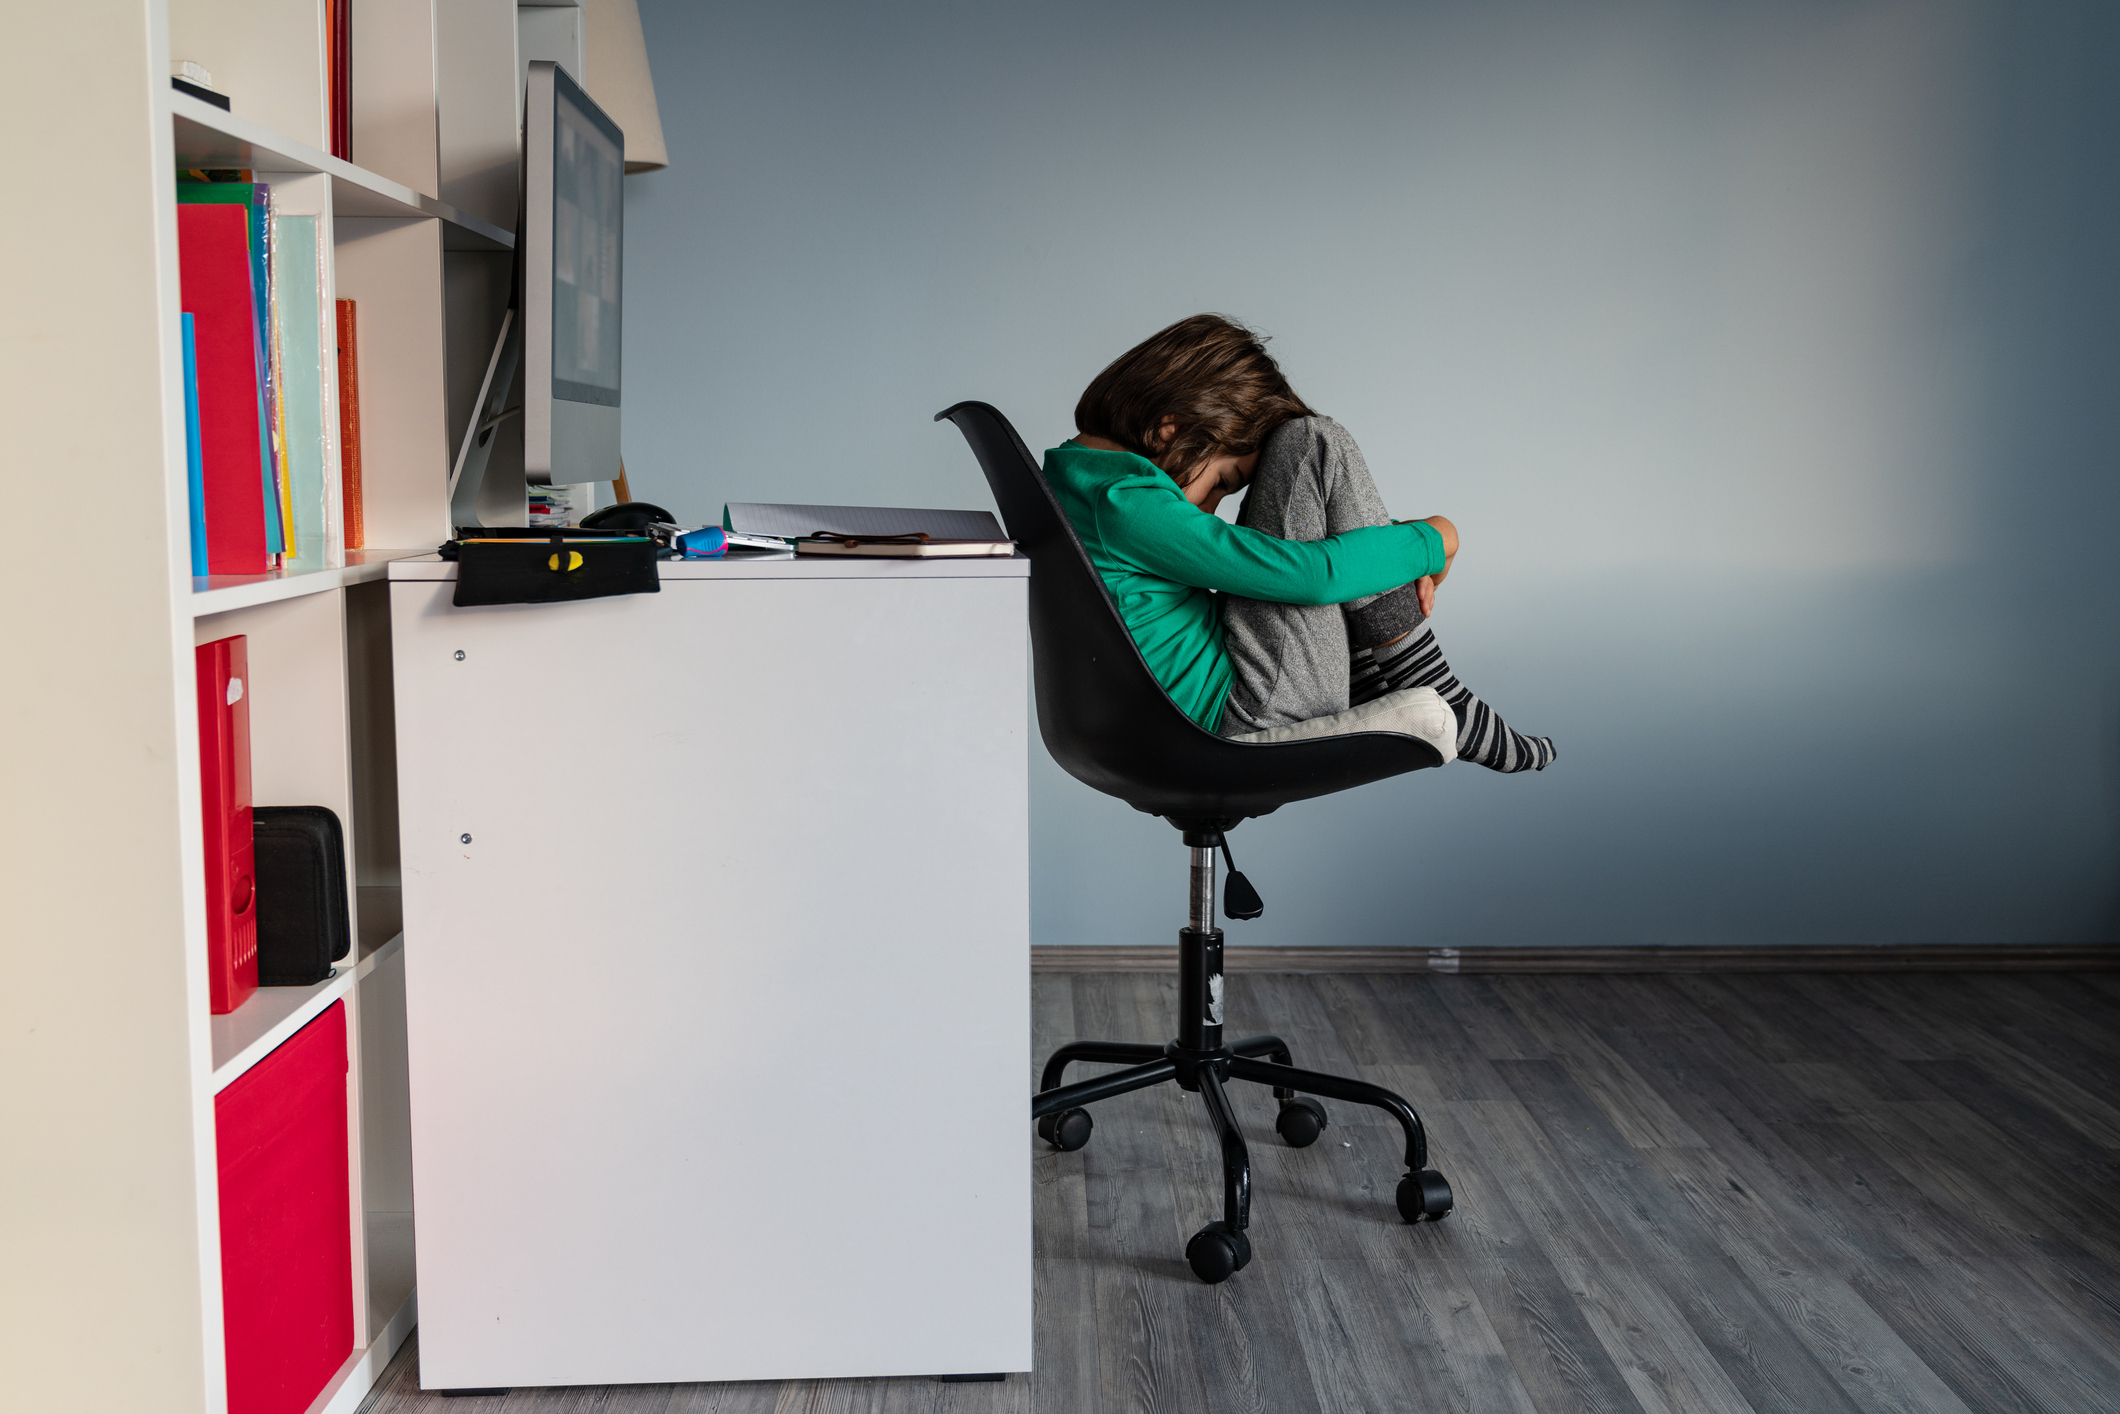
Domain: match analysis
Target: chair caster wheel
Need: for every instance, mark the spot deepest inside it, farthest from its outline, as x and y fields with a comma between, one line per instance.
x=1424, y=1197
x=1300, y=1122
x=1218, y=1252
x=1067, y=1130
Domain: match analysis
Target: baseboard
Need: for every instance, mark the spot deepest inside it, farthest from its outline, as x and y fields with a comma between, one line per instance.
x=1898, y=957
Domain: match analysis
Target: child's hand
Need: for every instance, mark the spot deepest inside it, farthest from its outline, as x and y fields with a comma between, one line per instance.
x=1424, y=590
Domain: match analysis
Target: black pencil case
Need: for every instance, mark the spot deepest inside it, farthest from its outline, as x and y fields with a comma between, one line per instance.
x=303, y=923
x=552, y=571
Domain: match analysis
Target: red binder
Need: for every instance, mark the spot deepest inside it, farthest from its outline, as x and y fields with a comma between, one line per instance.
x=224, y=795
x=286, y=1221
x=213, y=264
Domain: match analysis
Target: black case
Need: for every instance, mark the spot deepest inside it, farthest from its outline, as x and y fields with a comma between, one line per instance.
x=529, y=571
x=303, y=924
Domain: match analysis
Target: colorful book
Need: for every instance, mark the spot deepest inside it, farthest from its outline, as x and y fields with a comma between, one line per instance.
x=194, y=468
x=276, y=392
x=223, y=668
x=298, y=320
x=213, y=266
x=350, y=517
x=256, y=199
x=338, y=46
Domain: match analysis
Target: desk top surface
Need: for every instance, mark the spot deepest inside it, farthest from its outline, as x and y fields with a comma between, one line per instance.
x=778, y=566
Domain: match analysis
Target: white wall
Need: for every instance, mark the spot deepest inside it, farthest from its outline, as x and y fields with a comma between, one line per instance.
x=1764, y=354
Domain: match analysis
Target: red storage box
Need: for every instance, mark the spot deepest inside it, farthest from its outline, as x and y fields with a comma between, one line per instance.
x=286, y=1221
x=224, y=797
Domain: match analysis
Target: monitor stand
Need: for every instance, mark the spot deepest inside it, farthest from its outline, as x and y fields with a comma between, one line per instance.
x=487, y=485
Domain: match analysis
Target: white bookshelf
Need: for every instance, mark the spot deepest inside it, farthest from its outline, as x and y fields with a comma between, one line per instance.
x=110, y=1292
x=207, y=136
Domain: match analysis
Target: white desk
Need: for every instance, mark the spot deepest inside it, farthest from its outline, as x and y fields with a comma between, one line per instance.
x=718, y=1038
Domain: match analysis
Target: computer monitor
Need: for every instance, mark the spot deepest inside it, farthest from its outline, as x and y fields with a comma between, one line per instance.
x=547, y=410
x=569, y=251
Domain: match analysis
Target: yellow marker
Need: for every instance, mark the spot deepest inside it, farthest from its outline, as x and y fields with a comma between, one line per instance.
x=574, y=560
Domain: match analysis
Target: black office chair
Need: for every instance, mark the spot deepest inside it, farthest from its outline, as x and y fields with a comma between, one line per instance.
x=1108, y=721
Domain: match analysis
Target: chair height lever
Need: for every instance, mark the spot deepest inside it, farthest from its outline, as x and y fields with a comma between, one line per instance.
x=1239, y=898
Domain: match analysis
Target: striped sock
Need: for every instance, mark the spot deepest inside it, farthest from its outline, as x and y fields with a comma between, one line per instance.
x=1483, y=737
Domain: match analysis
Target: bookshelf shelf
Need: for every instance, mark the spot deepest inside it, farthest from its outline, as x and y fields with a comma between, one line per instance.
x=207, y=136
x=248, y=1034
x=218, y=594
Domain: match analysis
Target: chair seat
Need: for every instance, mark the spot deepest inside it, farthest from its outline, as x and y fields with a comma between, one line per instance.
x=1199, y=780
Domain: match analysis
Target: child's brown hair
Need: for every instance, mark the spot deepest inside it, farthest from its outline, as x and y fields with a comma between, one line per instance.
x=1211, y=375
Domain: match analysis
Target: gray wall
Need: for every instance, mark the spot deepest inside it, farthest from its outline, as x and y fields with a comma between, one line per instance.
x=1765, y=354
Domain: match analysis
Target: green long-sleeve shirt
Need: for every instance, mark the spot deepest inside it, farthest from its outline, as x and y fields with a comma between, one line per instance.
x=1160, y=555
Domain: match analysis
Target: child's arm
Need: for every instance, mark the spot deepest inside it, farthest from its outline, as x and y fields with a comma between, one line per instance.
x=1157, y=528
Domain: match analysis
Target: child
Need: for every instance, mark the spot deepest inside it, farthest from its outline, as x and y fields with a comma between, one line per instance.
x=1321, y=600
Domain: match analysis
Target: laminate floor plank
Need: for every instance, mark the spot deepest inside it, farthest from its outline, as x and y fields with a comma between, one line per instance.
x=1370, y=1033
x=1875, y=1370
x=1809, y=1198
x=1370, y=1349
x=1744, y=1330
x=1963, y=1308
x=1704, y=1056
x=2073, y=1004
x=1430, y=1033
x=1499, y=1246
x=1883, y=1019
x=2039, y=1242
x=1731, y=1004
x=1490, y=1025
x=2027, y=1043
x=1631, y=1315
x=1824, y=1194
x=1880, y=1050
x=2053, y=1019
x=1632, y=1105
x=2040, y=1122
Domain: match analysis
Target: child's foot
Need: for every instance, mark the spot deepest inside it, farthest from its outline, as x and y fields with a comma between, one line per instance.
x=1483, y=737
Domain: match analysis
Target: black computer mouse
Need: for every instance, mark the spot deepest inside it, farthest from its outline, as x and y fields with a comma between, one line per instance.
x=628, y=515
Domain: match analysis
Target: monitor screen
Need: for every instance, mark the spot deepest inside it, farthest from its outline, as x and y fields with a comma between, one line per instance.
x=570, y=284
x=588, y=211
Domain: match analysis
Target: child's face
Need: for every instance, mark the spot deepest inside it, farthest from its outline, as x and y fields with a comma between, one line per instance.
x=1218, y=477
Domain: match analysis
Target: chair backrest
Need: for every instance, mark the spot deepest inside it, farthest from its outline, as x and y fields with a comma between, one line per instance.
x=1103, y=715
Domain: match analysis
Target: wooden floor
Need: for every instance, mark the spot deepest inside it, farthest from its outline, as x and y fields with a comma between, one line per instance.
x=1810, y=1193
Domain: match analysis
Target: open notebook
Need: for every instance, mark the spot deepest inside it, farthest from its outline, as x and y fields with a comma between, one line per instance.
x=795, y=522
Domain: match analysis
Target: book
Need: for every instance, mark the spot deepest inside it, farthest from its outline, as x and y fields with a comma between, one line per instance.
x=794, y=522
x=298, y=324
x=223, y=681
x=213, y=267
x=276, y=390
x=338, y=52
x=350, y=517
x=256, y=199
x=194, y=468
x=549, y=506
x=182, y=85
x=902, y=547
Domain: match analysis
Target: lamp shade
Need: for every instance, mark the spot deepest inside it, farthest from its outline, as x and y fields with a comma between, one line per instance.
x=616, y=55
